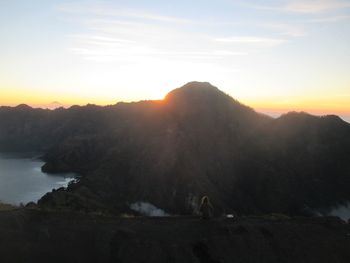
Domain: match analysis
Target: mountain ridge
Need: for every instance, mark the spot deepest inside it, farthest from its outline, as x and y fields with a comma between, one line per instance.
x=197, y=141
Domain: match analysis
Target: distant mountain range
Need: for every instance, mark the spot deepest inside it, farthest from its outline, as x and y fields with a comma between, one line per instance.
x=197, y=141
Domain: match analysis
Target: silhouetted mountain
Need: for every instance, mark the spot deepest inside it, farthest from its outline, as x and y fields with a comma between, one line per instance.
x=196, y=141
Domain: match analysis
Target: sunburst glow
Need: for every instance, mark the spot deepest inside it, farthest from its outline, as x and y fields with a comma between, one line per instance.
x=279, y=56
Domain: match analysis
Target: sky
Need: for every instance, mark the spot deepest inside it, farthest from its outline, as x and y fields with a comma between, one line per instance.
x=275, y=56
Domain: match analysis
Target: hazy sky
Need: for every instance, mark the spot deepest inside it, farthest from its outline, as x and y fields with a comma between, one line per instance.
x=272, y=55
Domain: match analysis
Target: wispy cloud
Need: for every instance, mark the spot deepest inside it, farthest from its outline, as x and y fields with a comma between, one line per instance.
x=114, y=34
x=284, y=29
x=261, y=41
x=101, y=53
x=329, y=19
x=107, y=10
x=306, y=6
x=100, y=39
x=316, y=6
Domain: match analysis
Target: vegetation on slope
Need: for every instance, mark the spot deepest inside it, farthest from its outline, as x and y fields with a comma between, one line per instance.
x=196, y=141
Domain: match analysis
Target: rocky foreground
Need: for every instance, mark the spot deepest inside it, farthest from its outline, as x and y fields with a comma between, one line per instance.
x=31, y=235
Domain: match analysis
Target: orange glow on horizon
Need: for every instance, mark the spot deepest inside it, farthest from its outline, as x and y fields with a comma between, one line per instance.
x=313, y=106
x=275, y=106
x=14, y=97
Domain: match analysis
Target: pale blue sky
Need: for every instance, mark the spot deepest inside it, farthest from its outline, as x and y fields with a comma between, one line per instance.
x=291, y=54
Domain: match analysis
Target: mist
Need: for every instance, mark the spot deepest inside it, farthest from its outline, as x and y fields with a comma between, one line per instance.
x=147, y=209
x=343, y=211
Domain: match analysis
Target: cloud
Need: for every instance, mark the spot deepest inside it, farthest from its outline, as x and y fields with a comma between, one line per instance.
x=252, y=40
x=102, y=53
x=117, y=39
x=120, y=35
x=106, y=10
x=315, y=6
x=329, y=19
x=284, y=29
x=307, y=6
x=98, y=39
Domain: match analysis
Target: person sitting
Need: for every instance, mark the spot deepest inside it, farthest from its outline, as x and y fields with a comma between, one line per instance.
x=206, y=208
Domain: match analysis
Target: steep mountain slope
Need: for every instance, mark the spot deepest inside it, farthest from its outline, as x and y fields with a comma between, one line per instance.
x=196, y=141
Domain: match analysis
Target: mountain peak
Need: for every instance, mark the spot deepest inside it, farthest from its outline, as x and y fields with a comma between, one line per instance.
x=193, y=87
x=23, y=107
x=202, y=96
x=194, y=92
x=199, y=84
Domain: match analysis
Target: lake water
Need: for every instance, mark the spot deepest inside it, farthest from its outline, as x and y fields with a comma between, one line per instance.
x=22, y=181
